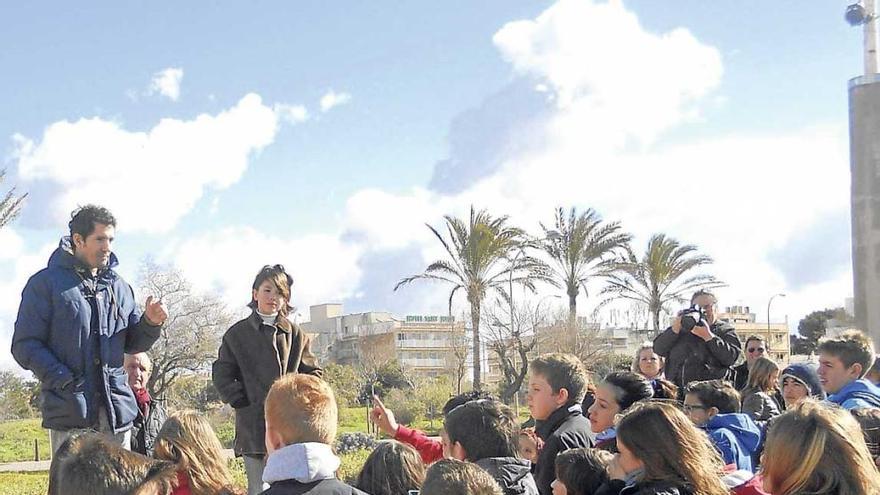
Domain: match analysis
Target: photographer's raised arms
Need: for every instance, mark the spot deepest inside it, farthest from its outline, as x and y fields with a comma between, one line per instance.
x=698, y=346
x=76, y=320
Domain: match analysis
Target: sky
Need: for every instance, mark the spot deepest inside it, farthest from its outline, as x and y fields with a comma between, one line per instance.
x=325, y=136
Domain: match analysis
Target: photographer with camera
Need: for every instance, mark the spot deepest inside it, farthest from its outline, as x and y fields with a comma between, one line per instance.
x=697, y=347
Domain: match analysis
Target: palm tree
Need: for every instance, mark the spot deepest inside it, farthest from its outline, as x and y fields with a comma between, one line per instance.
x=659, y=278
x=582, y=247
x=477, y=251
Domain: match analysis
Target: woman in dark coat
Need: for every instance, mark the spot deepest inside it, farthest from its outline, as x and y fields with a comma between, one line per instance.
x=254, y=353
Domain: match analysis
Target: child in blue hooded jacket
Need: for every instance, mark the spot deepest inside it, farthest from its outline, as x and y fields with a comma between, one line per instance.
x=714, y=406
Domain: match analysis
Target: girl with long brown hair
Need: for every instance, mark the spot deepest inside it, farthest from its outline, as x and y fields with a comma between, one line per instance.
x=188, y=440
x=759, y=397
x=818, y=448
x=662, y=452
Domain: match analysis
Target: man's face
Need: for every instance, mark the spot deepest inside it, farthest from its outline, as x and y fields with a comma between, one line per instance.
x=833, y=375
x=94, y=250
x=698, y=413
x=707, y=304
x=754, y=350
x=138, y=369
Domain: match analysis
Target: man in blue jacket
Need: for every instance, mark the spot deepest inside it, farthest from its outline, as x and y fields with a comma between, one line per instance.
x=76, y=321
x=843, y=363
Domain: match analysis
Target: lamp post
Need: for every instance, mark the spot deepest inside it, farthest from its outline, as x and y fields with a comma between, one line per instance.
x=768, y=314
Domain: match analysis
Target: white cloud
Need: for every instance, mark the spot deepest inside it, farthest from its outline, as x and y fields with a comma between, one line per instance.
x=167, y=83
x=598, y=56
x=95, y=160
x=324, y=268
x=333, y=99
x=293, y=114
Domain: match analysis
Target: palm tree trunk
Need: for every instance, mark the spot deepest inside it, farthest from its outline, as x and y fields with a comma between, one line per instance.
x=572, y=317
x=475, y=321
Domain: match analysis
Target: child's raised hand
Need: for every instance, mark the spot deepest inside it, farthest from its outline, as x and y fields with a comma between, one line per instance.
x=383, y=417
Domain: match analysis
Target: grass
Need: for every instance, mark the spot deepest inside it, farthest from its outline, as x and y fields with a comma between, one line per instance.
x=24, y=483
x=17, y=440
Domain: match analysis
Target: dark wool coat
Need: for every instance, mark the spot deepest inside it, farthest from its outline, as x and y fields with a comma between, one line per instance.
x=248, y=363
x=72, y=331
x=690, y=358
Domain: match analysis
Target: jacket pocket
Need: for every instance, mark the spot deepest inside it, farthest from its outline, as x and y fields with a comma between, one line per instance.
x=66, y=408
x=122, y=398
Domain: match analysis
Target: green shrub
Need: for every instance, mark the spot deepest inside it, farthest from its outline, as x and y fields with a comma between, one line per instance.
x=352, y=462
x=406, y=405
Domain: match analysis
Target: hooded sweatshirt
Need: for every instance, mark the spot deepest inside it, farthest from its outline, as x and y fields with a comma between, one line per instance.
x=856, y=394
x=736, y=437
x=514, y=475
x=305, y=468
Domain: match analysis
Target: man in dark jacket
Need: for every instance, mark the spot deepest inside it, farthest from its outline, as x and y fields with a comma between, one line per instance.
x=151, y=412
x=486, y=433
x=76, y=320
x=706, y=352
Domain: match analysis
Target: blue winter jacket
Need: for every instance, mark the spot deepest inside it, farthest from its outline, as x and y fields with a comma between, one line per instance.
x=72, y=331
x=856, y=394
x=736, y=437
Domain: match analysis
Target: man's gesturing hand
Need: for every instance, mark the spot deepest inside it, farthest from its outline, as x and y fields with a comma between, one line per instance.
x=154, y=312
x=383, y=417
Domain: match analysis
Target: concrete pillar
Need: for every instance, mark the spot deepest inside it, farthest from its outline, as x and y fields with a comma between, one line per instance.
x=864, y=132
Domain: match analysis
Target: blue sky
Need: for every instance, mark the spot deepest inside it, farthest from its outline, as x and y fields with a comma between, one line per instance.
x=512, y=105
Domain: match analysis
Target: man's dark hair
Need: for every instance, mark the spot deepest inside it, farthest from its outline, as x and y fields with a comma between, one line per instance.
x=582, y=471
x=485, y=428
x=465, y=397
x=716, y=393
x=562, y=371
x=454, y=477
x=84, y=219
x=756, y=338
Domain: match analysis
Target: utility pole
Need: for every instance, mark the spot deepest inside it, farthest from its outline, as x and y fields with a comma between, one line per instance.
x=864, y=129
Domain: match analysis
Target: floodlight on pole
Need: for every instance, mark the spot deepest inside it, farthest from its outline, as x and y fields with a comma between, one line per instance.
x=864, y=14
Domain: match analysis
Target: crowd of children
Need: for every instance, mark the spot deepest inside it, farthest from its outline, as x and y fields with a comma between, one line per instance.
x=780, y=435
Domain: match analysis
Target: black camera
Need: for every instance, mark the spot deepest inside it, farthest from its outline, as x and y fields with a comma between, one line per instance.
x=691, y=317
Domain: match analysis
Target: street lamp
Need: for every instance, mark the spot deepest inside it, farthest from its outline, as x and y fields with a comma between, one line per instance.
x=768, y=311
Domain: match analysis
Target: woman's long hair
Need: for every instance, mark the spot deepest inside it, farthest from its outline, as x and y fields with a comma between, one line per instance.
x=818, y=448
x=188, y=440
x=393, y=468
x=759, y=375
x=671, y=447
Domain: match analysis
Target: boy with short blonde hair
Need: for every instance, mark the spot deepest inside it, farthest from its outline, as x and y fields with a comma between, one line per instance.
x=301, y=417
x=557, y=383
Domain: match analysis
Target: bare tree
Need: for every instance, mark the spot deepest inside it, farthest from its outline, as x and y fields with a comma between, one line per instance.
x=191, y=334
x=512, y=334
x=580, y=337
x=457, y=356
x=10, y=204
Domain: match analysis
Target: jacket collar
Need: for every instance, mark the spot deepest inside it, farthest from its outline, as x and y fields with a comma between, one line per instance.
x=548, y=426
x=281, y=323
x=63, y=257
